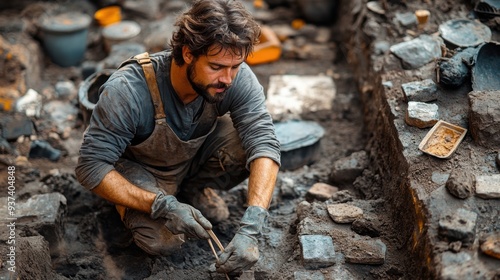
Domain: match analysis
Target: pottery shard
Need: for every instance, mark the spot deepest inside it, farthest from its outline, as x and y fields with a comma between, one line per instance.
x=460, y=184
x=491, y=246
x=321, y=192
x=344, y=213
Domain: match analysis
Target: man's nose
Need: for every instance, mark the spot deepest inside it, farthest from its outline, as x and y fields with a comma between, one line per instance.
x=226, y=77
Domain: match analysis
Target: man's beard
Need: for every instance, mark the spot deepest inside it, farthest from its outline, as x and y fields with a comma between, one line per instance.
x=202, y=90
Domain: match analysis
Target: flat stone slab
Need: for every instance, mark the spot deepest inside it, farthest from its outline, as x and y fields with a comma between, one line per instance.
x=488, y=186
x=321, y=191
x=344, y=213
x=317, y=251
x=296, y=94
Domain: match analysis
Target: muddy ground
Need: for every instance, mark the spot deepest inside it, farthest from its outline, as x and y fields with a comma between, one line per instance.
x=95, y=245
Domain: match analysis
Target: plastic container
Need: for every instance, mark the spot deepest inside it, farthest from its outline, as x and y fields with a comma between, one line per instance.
x=300, y=142
x=119, y=32
x=108, y=15
x=88, y=93
x=267, y=50
x=65, y=37
x=442, y=140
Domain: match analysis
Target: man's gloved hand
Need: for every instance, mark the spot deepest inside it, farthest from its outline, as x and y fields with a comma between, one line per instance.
x=181, y=218
x=243, y=252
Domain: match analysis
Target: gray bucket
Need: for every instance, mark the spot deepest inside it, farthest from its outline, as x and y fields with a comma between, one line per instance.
x=88, y=93
x=65, y=37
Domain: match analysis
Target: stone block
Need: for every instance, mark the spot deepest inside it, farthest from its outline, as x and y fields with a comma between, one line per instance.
x=421, y=91
x=488, y=186
x=459, y=226
x=317, y=251
x=484, y=118
x=43, y=213
x=421, y=115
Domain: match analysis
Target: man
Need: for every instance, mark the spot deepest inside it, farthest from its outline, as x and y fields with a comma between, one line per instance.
x=185, y=122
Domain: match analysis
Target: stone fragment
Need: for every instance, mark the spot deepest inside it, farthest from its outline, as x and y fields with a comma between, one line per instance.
x=421, y=91
x=308, y=275
x=321, y=192
x=366, y=252
x=459, y=225
x=317, y=251
x=417, y=52
x=366, y=226
x=407, y=19
x=460, y=184
x=491, y=246
x=347, y=169
x=421, y=115
x=484, y=118
x=45, y=214
x=488, y=186
x=344, y=213
x=34, y=259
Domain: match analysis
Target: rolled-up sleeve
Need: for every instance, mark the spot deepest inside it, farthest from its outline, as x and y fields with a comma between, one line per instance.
x=110, y=131
x=251, y=118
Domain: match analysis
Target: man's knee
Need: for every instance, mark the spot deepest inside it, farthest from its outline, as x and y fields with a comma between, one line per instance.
x=151, y=235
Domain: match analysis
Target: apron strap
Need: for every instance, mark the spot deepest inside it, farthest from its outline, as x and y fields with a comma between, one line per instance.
x=149, y=72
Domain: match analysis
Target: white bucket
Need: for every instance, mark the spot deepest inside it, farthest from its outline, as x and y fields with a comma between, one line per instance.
x=119, y=32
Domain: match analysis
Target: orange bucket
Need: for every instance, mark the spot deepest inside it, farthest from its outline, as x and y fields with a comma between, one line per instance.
x=108, y=15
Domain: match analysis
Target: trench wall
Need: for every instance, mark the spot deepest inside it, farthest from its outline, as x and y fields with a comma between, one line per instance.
x=384, y=146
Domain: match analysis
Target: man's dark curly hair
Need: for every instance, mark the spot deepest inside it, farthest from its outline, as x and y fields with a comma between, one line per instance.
x=223, y=24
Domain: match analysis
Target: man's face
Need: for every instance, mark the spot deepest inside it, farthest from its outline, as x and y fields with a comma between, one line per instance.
x=211, y=75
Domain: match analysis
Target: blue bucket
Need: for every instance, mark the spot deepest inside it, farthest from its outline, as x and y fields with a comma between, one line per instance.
x=65, y=37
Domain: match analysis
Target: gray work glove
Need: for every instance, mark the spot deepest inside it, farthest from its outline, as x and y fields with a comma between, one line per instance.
x=181, y=218
x=243, y=252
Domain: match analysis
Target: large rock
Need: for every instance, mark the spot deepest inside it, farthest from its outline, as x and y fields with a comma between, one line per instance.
x=484, y=118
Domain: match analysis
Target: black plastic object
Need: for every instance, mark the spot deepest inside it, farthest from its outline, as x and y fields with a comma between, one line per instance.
x=88, y=93
x=300, y=142
x=42, y=149
x=486, y=70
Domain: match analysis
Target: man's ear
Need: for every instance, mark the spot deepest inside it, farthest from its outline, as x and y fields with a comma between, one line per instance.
x=187, y=55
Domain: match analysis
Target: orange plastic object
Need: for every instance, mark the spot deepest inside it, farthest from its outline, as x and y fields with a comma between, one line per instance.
x=268, y=50
x=108, y=15
x=6, y=104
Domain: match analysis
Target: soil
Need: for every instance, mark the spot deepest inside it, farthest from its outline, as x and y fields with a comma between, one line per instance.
x=97, y=246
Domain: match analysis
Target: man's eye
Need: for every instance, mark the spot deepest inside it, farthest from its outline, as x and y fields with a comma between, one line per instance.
x=215, y=67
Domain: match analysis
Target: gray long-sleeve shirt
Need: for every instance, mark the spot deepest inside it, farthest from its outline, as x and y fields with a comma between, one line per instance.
x=124, y=115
